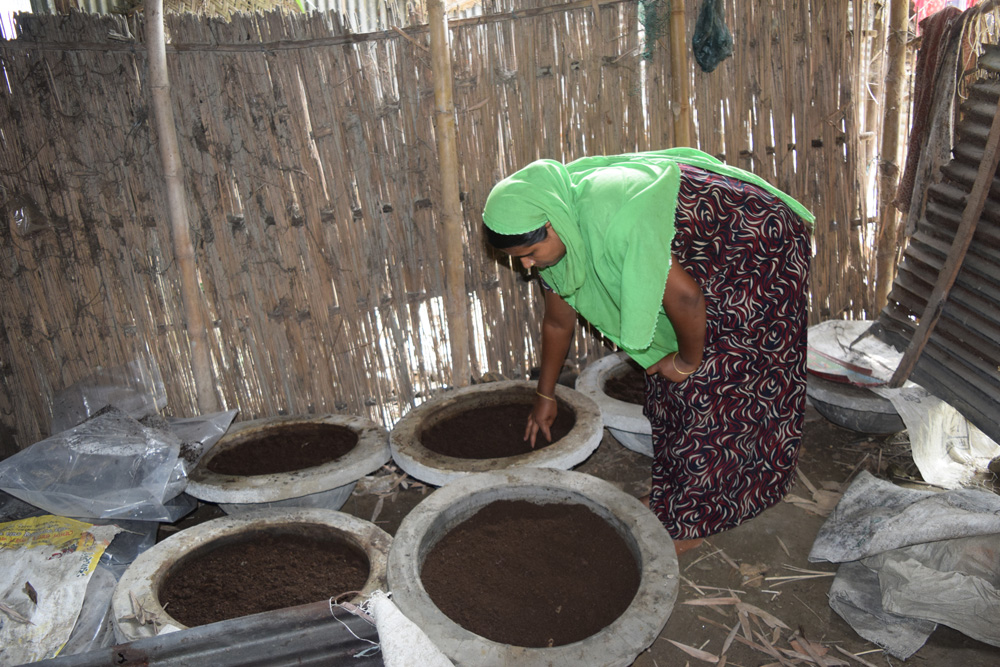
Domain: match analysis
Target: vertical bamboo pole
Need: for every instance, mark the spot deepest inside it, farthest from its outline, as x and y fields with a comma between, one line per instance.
x=163, y=116
x=681, y=71
x=456, y=299
x=887, y=240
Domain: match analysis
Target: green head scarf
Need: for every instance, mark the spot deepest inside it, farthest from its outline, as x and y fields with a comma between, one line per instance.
x=615, y=215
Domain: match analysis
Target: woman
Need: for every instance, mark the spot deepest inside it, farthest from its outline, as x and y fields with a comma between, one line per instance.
x=699, y=272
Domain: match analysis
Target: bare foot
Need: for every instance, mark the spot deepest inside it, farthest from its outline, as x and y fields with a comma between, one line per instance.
x=682, y=546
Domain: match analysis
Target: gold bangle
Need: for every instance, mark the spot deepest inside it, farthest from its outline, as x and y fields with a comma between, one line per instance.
x=673, y=360
x=546, y=397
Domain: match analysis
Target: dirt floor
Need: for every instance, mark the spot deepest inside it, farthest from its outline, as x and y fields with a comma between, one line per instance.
x=745, y=563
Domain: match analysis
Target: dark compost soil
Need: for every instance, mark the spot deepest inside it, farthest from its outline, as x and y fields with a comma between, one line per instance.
x=265, y=571
x=491, y=432
x=285, y=448
x=628, y=384
x=532, y=575
x=740, y=562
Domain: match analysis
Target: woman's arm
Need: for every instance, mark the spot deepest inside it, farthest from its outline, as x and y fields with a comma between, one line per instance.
x=684, y=305
x=558, y=327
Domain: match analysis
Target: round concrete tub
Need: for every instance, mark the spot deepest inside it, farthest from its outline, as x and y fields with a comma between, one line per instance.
x=625, y=421
x=852, y=407
x=617, y=644
x=428, y=466
x=145, y=576
x=326, y=486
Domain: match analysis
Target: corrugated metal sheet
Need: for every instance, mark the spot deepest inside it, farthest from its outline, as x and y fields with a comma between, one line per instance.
x=961, y=361
x=305, y=636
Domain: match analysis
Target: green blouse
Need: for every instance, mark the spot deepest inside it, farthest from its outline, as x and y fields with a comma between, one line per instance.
x=615, y=215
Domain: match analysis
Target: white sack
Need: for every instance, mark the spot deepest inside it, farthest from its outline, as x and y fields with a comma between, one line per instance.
x=403, y=643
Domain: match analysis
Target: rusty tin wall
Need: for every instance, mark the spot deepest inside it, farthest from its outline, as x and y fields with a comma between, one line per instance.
x=961, y=362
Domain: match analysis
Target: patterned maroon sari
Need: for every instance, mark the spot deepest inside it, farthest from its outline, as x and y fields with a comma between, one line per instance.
x=726, y=439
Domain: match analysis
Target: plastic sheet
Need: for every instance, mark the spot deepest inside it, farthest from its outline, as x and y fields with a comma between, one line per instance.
x=198, y=434
x=23, y=214
x=135, y=538
x=46, y=564
x=947, y=448
x=954, y=582
x=912, y=559
x=136, y=389
x=856, y=597
x=109, y=467
x=94, y=628
x=712, y=42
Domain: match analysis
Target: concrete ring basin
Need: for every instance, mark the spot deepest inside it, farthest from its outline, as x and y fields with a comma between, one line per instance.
x=324, y=486
x=852, y=407
x=145, y=577
x=625, y=421
x=618, y=644
x=418, y=461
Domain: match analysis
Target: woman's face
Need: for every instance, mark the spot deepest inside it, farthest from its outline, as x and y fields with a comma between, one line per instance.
x=539, y=255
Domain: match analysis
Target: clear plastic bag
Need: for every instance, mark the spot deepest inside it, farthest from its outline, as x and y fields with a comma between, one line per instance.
x=199, y=433
x=23, y=214
x=108, y=467
x=135, y=388
x=94, y=628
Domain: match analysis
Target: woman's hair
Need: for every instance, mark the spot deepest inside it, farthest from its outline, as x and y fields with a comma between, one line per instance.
x=504, y=241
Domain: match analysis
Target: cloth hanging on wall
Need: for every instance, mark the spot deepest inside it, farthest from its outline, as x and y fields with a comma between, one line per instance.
x=927, y=7
x=935, y=69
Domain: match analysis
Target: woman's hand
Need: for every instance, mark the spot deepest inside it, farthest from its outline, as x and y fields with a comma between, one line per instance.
x=543, y=414
x=673, y=367
x=684, y=306
x=558, y=326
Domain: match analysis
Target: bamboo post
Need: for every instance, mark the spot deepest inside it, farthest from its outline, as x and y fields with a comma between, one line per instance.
x=163, y=116
x=456, y=300
x=680, y=68
x=887, y=240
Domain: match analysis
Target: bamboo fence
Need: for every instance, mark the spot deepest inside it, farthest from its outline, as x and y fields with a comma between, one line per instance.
x=314, y=198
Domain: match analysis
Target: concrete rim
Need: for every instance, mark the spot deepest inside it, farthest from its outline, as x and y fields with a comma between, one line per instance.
x=617, y=414
x=625, y=421
x=333, y=499
x=637, y=442
x=145, y=575
x=370, y=454
x=616, y=645
x=856, y=408
x=431, y=467
x=847, y=396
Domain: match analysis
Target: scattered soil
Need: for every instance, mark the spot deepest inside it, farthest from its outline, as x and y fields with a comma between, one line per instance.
x=491, y=432
x=284, y=448
x=532, y=575
x=628, y=384
x=265, y=571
